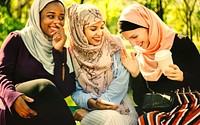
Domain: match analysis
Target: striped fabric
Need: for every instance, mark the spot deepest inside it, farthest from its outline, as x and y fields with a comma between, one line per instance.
x=112, y=117
x=186, y=113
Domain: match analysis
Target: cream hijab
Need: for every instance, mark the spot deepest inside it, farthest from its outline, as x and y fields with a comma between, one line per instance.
x=37, y=43
x=92, y=64
x=160, y=36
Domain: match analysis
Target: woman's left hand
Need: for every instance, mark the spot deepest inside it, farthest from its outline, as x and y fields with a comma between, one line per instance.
x=79, y=114
x=59, y=37
x=174, y=73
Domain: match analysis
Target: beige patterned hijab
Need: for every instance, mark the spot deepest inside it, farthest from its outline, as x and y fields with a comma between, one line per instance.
x=37, y=43
x=92, y=64
x=160, y=37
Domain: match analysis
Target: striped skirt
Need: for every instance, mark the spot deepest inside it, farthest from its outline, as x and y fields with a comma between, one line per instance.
x=187, y=112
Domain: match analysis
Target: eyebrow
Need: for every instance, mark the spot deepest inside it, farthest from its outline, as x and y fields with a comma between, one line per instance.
x=54, y=13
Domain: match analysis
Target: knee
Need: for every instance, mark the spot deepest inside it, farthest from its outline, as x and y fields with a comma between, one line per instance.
x=44, y=84
x=114, y=119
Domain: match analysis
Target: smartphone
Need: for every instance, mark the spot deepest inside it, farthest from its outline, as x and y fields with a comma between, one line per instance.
x=107, y=102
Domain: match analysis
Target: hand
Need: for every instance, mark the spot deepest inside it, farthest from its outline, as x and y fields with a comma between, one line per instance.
x=80, y=113
x=22, y=108
x=130, y=63
x=59, y=37
x=99, y=105
x=174, y=73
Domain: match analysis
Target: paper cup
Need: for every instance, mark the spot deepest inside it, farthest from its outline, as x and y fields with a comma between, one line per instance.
x=164, y=59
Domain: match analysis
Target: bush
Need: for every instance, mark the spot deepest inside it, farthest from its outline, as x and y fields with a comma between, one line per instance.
x=8, y=24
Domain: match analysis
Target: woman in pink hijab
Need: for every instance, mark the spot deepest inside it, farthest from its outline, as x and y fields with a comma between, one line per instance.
x=148, y=34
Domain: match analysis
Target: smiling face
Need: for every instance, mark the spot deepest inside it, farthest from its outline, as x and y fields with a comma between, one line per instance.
x=95, y=32
x=51, y=15
x=138, y=36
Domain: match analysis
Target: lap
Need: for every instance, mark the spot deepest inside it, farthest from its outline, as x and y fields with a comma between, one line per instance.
x=187, y=112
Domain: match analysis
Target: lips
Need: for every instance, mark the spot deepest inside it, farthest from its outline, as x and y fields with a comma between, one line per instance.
x=97, y=39
x=140, y=44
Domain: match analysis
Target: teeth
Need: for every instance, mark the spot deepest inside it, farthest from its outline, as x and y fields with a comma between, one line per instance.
x=97, y=39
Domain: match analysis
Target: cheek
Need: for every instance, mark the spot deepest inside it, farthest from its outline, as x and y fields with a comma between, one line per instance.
x=132, y=42
x=62, y=23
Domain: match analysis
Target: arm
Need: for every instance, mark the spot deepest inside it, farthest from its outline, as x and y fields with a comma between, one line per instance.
x=8, y=56
x=119, y=86
x=115, y=92
x=64, y=80
x=81, y=98
x=187, y=58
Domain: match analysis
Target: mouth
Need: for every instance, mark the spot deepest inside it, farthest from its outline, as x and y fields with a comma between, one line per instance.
x=140, y=44
x=97, y=39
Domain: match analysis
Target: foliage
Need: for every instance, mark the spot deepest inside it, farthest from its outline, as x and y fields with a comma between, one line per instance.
x=8, y=24
x=173, y=13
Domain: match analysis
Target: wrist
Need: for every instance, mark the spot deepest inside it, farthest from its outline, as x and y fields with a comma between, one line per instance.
x=135, y=74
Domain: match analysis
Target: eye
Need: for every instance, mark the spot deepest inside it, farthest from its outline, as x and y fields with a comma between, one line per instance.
x=133, y=37
x=93, y=28
x=102, y=27
x=61, y=18
x=50, y=16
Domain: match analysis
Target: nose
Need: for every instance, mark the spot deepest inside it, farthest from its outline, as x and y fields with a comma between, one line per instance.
x=132, y=42
x=99, y=32
x=56, y=20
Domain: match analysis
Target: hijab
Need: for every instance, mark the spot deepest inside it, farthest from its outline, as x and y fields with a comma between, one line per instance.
x=161, y=37
x=92, y=64
x=37, y=43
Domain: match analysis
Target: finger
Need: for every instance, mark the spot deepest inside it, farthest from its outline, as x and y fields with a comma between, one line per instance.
x=125, y=52
x=57, y=36
x=133, y=55
x=59, y=26
x=28, y=99
x=112, y=107
x=122, y=56
x=173, y=66
x=29, y=112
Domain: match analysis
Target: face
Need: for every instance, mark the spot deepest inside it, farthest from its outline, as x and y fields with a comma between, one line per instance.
x=139, y=37
x=51, y=15
x=95, y=32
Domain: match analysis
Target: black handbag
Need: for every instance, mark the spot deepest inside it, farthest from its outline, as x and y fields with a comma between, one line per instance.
x=158, y=101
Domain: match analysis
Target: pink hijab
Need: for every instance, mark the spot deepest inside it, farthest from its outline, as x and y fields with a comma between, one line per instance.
x=160, y=36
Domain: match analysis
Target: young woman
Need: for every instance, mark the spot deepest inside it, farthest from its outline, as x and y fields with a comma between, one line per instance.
x=34, y=72
x=102, y=80
x=148, y=34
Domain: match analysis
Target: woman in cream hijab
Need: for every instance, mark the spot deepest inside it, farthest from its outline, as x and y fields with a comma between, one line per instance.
x=35, y=75
x=148, y=34
x=102, y=80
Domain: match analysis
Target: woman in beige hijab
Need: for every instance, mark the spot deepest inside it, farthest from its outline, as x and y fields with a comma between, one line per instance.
x=102, y=80
x=148, y=34
x=35, y=75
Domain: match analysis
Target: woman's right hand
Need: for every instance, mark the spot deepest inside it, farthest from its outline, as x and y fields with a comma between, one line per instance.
x=99, y=105
x=22, y=108
x=130, y=63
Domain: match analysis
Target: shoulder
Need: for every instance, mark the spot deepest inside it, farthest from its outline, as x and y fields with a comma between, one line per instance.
x=183, y=45
x=13, y=40
x=118, y=40
x=182, y=41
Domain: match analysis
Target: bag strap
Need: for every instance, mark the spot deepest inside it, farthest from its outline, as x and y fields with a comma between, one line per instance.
x=149, y=88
